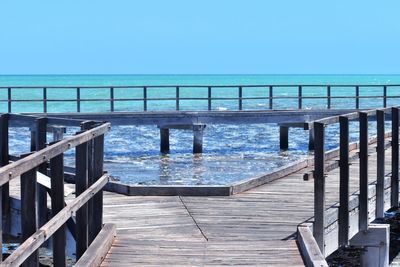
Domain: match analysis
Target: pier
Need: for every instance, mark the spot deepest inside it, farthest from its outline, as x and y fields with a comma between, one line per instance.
x=297, y=215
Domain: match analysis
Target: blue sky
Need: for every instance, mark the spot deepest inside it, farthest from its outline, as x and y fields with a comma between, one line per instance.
x=199, y=37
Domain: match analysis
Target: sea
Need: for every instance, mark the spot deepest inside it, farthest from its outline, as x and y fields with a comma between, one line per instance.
x=230, y=152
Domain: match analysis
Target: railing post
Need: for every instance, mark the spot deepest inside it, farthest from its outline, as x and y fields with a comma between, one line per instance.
x=271, y=95
x=300, y=95
x=9, y=99
x=344, y=182
x=177, y=98
x=357, y=97
x=145, y=98
x=363, y=220
x=81, y=183
x=319, y=185
x=38, y=142
x=98, y=154
x=240, y=93
x=394, y=199
x=380, y=153
x=385, y=96
x=44, y=99
x=57, y=204
x=78, y=99
x=112, y=99
x=86, y=126
x=209, y=98
x=28, y=211
x=4, y=160
x=328, y=95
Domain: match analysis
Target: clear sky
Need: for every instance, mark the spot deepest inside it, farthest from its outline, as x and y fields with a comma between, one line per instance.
x=199, y=37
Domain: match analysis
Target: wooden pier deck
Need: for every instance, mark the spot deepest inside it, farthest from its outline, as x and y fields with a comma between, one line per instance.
x=254, y=228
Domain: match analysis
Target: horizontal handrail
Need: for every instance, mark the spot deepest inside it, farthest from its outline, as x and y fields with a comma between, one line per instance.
x=15, y=169
x=44, y=233
x=350, y=116
x=271, y=93
x=198, y=86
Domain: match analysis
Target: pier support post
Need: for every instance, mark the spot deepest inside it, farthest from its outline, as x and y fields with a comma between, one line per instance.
x=198, y=130
x=164, y=140
x=311, y=139
x=283, y=137
x=375, y=240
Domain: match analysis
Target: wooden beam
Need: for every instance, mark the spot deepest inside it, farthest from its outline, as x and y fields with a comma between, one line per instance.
x=97, y=213
x=28, y=212
x=40, y=140
x=309, y=248
x=395, y=159
x=363, y=198
x=319, y=185
x=57, y=205
x=81, y=183
x=380, y=151
x=99, y=248
x=344, y=182
x=44, y=233
x=5, y=189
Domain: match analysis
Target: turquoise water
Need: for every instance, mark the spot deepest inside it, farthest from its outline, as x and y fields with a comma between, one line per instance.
x=67, y=95
x=231, y=153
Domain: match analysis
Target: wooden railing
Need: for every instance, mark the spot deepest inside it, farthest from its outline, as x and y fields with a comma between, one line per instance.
x=48, y=159
x=320, y=168
x=208, y=95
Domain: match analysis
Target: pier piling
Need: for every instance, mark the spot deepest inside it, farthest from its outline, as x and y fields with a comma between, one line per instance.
x=198, y=130
x=164, y=140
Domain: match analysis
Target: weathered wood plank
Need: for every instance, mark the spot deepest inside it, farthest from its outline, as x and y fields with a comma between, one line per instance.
x=5, y=189
x=98, y=157
x=57, y=205
x=99, y=247
x=81, y=163
x=28, y=211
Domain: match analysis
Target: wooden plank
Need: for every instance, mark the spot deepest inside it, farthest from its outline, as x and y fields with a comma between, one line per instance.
x=98, y=158
x=363, y=215
x=39, y=142
x=309, y=248
x=85, y=127
x=319, y=185
x=44, y=233
x=81, y=163
x=57, y=204
x=344, y=182
x=99, y=247
x=4, y=160
x=395, y=158
x=28, y=212
x=206, y=117
x=380, y=150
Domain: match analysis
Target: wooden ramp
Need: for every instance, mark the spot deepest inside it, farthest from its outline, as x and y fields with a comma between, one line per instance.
x=255, y=228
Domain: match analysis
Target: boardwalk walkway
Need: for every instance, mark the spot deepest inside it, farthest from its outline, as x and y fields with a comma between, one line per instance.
x=257, y=227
